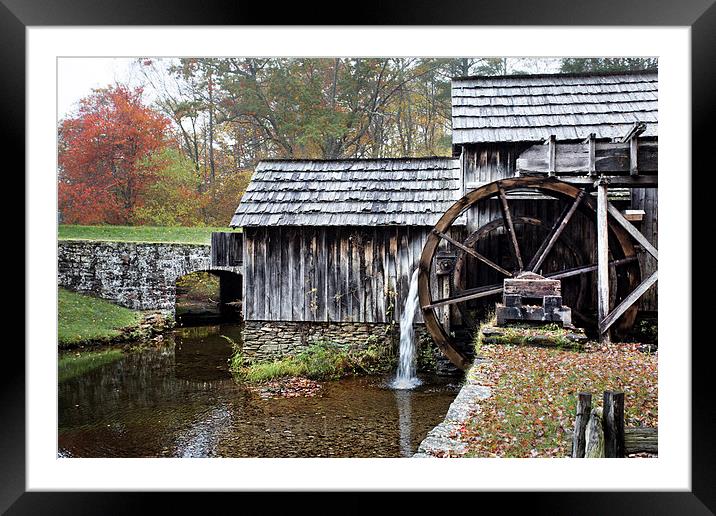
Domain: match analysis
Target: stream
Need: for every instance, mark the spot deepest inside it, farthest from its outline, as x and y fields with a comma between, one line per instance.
x=178, y=399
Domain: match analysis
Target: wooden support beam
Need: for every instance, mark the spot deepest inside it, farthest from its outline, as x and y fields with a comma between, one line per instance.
x=592, y=141
x=640, y=181
x=613, y=418
x=633, y=231
x=467, y=295
x=472, y=252
x=583, y=269
x=602, y=257
x=632, y=139
x=604, y=324
x=554, y=233
x=552, y=169
x=634, y=131
x=445, y=292
x=510, y=227
x=584, y=408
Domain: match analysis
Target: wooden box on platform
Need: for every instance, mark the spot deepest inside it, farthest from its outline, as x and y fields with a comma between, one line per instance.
x=531, y=298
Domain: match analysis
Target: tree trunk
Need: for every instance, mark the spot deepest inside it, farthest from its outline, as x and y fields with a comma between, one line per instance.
x=212, y=168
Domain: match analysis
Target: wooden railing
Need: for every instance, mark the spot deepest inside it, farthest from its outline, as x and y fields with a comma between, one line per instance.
x=628, y=162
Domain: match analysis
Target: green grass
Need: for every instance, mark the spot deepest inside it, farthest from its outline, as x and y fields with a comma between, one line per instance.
x=319, y=361
x=82, y=319
x=71, y=365
x=184, y=235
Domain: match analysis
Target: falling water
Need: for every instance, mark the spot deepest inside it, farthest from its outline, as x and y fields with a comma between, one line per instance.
x=405, y=378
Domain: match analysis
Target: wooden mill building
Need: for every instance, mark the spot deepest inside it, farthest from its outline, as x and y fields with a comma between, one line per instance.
x=330, y=246
x=497, y=121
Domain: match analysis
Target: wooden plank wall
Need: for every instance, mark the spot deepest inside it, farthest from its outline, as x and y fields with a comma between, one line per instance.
x=647, y=199
x=358, y=274
x=226, y=249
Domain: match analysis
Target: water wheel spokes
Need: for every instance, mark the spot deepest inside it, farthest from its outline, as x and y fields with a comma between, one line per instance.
x=499, y=249
x=557, y=229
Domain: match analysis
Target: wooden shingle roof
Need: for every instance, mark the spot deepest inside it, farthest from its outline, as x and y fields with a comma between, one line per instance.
x=571, y=106
x=366, y=192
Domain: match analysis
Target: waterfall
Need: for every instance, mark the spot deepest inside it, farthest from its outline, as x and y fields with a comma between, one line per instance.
x=405, y=378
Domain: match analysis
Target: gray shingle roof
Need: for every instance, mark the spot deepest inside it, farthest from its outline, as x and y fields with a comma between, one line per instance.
x=531, y=108
x=370, y=192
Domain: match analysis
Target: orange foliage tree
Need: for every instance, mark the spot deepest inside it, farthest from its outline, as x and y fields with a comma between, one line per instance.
x=104, y=156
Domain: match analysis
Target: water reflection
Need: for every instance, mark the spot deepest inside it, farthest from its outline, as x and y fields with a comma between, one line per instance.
x=179, y=400
x=403, y=400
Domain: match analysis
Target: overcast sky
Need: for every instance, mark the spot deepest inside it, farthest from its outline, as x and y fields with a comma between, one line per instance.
x=78, y=76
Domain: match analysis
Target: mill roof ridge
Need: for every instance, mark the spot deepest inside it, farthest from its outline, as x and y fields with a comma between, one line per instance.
x=643, y=71
x=358, y=160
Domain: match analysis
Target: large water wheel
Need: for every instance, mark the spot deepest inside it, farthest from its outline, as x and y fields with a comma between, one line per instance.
x=513, y=240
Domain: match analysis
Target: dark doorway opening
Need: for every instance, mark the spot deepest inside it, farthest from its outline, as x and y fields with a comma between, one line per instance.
x=208, y=297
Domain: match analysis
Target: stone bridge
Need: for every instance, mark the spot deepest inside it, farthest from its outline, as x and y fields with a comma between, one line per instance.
x=143, y=276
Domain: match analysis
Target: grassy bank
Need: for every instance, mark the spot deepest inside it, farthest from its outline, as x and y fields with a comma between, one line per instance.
x=535, y=391
x=83, y=319
x=320, y=361
x=185, y=235
x=71, y=365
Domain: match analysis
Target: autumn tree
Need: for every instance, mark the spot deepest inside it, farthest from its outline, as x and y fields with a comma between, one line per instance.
x=172, y=197
x=104, y=156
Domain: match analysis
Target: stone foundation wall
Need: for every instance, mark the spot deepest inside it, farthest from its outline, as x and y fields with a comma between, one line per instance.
x=141, y=276
x=267, y=340
x=272, y=339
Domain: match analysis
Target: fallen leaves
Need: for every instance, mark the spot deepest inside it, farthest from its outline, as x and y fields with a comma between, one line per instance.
x=292, y=387
x=535, y=391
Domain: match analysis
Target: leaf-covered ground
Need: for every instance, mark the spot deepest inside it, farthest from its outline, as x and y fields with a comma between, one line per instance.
x=535, y=391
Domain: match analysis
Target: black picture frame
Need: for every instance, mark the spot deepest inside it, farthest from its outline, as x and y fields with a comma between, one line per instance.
x=699, y=15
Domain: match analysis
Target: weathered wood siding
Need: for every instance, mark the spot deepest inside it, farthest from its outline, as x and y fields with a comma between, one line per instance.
x=647, y=199
x=359, y=274
x=226, y=249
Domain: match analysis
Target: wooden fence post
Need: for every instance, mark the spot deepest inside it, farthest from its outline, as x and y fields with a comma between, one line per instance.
x=594, y=447
x=613, y=418
x=584, y=407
